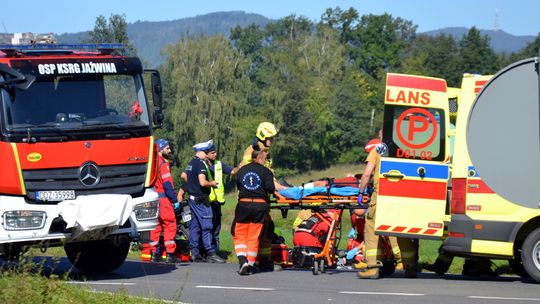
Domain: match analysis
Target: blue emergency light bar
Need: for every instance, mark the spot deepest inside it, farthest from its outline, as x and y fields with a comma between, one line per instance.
x=53, y=46
x=104, y=47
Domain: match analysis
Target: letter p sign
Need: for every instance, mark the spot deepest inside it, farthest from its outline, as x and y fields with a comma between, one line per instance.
x=417, y=122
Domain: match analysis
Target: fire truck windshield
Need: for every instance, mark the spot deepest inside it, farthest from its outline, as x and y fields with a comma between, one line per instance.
x=77, y=107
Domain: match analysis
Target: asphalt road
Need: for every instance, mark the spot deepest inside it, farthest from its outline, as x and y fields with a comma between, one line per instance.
x=219, y=283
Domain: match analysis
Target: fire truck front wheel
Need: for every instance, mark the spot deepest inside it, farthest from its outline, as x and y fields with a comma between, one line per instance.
x=530, y=254
x=95, y=257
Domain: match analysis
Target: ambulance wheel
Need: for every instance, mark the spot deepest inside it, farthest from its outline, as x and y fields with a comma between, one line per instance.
x=517, y=264
x=94, y=257
x=388, y=268
x=322, y=266
x=315, y=269
x=517, y=268
x=530, y=254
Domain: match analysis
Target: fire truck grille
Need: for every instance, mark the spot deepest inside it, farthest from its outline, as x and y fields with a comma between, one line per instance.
x=118, y=179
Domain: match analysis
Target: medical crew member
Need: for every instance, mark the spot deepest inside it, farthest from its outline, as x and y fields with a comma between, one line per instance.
x=198, y=188
x=255, y=183
x=371, y=145
x=313, y=231
x=264, y=138
x=217, y=194
x=167, y=202
x=371, y=240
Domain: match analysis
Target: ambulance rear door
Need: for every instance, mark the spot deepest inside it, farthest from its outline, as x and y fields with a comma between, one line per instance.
x=413, y=173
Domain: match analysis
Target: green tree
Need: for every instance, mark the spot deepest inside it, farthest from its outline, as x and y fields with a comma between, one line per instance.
x=378, y=43
x=476, y=55
x=343, y=21
x=434, y=56
x=112, y=31
x=247, y=40
x=206, y=98
x=357, y=107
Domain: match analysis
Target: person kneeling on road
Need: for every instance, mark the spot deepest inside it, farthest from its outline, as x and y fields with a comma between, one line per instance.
x=255, y=183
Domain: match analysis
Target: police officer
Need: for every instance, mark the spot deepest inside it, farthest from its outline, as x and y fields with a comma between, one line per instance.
x=198, y=186
x=217, y=194
x=167, y=202
x=255, y=182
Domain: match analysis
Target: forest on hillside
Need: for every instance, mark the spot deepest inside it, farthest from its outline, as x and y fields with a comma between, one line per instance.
x=321, y=84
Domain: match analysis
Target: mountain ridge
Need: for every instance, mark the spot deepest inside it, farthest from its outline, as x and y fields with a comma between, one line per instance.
x=151, y=37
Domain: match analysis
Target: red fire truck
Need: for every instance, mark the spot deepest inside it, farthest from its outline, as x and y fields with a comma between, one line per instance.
x=77, y=153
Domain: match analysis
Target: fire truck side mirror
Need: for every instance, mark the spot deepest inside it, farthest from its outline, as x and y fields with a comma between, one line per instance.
x=157, y=92
x=157, y=97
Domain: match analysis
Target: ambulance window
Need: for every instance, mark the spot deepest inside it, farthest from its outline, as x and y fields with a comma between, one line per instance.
x=414, y=133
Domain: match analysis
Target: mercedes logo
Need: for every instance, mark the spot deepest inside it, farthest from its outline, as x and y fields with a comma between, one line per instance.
x=89, y=174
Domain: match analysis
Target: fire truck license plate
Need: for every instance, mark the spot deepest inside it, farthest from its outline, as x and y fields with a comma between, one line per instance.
x=55, y=196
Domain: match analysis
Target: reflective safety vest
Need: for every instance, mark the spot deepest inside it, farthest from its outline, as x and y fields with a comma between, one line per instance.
x=217, y=194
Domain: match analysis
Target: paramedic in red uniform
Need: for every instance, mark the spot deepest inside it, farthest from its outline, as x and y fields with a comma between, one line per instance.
x=255, y=183
x=167, y=202
x=313, y=231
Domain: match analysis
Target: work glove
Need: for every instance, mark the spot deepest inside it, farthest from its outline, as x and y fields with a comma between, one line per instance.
x=360, y=199
x=363, y=199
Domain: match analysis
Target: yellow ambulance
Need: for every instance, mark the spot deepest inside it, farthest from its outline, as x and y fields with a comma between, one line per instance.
x=463, y=164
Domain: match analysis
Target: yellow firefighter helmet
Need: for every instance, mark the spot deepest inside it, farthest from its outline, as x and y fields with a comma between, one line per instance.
x=266, y=130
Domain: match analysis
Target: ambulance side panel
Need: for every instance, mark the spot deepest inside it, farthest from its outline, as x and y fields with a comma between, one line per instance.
x=412, y=189
x=483, y=222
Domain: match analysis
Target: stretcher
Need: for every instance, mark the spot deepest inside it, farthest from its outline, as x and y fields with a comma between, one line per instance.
x=318, y=200
x=330, y=197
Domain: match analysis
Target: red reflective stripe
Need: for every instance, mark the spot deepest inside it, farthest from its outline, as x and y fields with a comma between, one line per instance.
x=383, y=227
x=456, y=234
x=431, y=231
x=416, y=82
x=413, y=188
x=399, y=229
x=414, y=230
x=478, y=85
x=478, y=186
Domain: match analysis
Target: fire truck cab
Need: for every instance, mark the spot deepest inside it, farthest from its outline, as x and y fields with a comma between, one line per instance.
x=77, y=151
x=462, y=164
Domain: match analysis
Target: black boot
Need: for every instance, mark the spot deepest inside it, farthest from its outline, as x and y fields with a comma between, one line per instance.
x=171, y=259
x=214, y=258
x=440, y=266
x=198, y=259
x=244, y=266
x=267, y=265
x=156, y=257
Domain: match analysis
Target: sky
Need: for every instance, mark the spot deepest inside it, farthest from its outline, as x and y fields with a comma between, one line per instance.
x=517, y=17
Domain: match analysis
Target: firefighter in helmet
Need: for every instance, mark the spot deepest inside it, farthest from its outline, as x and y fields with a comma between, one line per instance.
x=371, y=240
